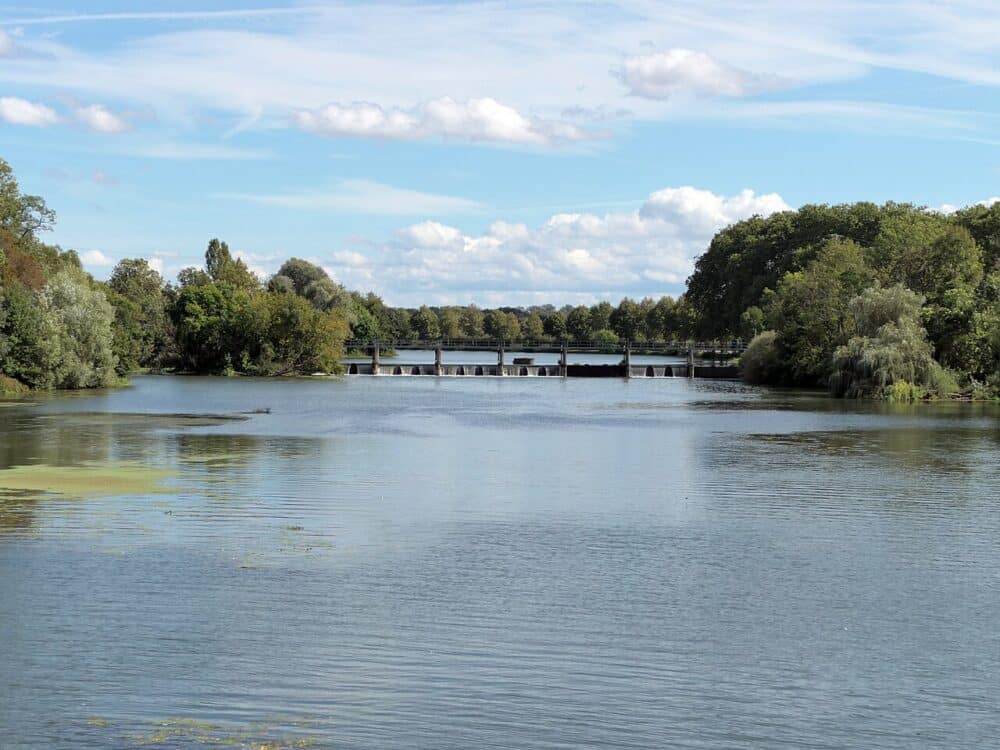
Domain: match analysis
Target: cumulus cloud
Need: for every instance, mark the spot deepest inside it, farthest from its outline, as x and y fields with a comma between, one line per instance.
x=482, y=119
x=96, y=258
x=570, y=256
x=100, y=119
x=950, y=208
x=660, y=75
x=17, y=111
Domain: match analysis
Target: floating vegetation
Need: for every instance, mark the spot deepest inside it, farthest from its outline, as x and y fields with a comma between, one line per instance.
x=140, y=419
x=186, y=732
x=85, y=480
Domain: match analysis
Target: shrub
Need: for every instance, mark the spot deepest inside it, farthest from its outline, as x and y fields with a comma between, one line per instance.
x=761, y=362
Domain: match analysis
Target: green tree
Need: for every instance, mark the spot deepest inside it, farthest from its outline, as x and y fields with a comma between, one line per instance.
x=600, y=316
x=810, y=310
x=555, y=325
x=627, y=320
x=533, y=327
x=83, y=321
x=578, y=323
x=425, y=324
x=450, y=323
x=472, y=321
x=890, y=350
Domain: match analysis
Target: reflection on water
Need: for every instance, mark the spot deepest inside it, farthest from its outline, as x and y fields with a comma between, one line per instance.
x=496, y=563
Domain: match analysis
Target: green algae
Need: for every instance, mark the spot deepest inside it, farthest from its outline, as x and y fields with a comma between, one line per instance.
x=186, y=732
x=85, y=480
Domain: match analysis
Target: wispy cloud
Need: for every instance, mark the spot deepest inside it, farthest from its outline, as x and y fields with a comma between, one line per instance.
x=178, y=151
x=100, y=119
x=364, y=197
x=166, y=15
x=503, y=73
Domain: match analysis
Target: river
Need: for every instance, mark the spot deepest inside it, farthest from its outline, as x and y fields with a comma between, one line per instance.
x=496, y=563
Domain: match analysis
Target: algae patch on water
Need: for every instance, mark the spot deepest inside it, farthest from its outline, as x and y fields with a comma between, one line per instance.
x=85, y=480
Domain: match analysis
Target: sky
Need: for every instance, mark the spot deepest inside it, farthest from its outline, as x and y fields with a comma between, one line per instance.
x=489, y=152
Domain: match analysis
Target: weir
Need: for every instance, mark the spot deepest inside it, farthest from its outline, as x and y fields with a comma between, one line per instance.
x=525, y=367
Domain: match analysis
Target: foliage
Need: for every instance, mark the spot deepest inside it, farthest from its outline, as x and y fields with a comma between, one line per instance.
x=891, y=347
x=809, y=311
x=761, y=362
x=82, y=318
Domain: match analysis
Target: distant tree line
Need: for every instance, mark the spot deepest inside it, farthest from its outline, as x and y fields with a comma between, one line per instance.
x=890, y=301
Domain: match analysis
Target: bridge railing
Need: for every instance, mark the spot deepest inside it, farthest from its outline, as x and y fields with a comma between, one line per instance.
x=734, y=346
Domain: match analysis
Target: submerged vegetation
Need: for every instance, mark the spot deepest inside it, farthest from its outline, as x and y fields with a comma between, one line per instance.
x=891, y=301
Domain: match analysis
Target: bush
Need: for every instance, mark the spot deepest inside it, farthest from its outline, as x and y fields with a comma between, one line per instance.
x=761, y=362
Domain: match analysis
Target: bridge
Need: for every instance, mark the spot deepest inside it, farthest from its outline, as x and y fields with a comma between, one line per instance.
x=703, y=359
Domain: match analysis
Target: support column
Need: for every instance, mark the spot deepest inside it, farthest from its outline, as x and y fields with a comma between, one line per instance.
x=628, y=361
x=375, y=359
x=691, y=362
x=438, y=358
x=500, y=360
x=563, y=361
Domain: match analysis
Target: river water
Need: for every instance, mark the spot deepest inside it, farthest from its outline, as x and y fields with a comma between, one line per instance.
x=496, y=563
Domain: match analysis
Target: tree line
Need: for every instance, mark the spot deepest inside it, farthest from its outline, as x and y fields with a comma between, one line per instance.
x=891, y=301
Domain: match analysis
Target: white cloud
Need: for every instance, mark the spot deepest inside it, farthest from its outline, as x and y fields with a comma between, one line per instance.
x=483, y=119
x=571, y=256
x=539, y=59
x=96, y=258
x=171, y=151
x=660, y=75
x=7, y=46
x=103, y=178
x=365, y=197
x=156, y=264
x=100, y=119
x=17, y=111
x=950, y=208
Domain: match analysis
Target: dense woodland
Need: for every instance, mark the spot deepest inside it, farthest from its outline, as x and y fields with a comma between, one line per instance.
x=890, y=301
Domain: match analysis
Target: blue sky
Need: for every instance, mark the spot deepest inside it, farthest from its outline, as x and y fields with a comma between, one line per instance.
x=513, y=152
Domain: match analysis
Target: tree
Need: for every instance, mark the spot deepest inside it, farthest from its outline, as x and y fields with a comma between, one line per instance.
x=302, y=273
x=810, y=310
x=600, y=316
x=578, y=323
x=503, y=325
x=472, y=320
x=533, y=328
x=450, y=323
x=627, y=320
x=425, y=324
x=83, y=319
x=555, y=325
x=890, y=357
x=660, y=319
x=143, y=333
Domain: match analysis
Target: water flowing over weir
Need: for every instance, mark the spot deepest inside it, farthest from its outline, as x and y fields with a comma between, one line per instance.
x=703, y=360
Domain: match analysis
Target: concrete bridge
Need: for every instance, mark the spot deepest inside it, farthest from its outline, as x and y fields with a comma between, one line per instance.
x=712, y=357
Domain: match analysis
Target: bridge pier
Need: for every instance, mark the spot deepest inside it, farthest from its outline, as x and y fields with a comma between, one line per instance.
x=438, y=359
x=690, y=361
x=563, y=361
x=375, y=359
x=628, y=361
x=500, y=360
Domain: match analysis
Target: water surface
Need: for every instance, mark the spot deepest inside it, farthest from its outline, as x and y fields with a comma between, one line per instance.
x=495, y=563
